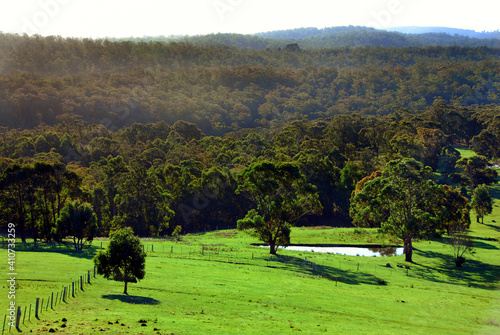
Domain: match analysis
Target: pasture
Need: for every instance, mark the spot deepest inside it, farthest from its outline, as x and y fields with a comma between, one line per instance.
x=220, y=283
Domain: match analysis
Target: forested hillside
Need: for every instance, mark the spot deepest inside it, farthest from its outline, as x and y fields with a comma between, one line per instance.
x=155, y=135
x=335, y=37
x=223, y=89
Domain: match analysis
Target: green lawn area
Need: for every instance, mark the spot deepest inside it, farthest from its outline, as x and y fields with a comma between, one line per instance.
x=219, y=283
x=465, y=152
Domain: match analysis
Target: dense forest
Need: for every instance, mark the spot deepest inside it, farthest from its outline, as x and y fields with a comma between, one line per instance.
x=156, y=135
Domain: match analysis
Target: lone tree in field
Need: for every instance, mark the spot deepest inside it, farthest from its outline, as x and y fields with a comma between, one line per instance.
x=124, y=260
x=403, y=200
x=77, y=221
x=481, y=202
x=282, y=196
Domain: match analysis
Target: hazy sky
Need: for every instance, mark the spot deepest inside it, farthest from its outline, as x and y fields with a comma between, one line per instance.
x=124, y=18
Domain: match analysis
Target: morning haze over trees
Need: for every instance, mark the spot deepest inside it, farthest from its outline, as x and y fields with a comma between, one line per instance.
x=200, y=133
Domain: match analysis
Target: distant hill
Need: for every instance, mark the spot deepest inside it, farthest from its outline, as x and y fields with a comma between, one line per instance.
x=446, y=30
x=334, y=37
x=314, y=38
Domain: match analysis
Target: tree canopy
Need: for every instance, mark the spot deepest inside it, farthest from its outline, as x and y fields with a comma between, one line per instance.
x=403, y=201
x=124, y=259
x=78, y=221
x=481, y=202
x=282, y=195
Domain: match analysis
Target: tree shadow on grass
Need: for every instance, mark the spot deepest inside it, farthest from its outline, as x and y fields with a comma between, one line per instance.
x=475, y=273
x=483, y=245
x=497, y=228
x=132, y=299
x=476, y=241
x=65, y=248
x=328, y=272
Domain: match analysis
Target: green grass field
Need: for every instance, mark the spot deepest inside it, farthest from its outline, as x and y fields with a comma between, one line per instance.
x=465, y=152
x=219, y=283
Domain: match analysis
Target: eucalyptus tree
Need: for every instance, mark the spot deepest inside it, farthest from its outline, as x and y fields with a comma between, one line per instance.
x=403, y=200
x=281, y=195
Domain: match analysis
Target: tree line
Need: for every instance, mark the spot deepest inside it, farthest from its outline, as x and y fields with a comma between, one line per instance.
x=155, y=177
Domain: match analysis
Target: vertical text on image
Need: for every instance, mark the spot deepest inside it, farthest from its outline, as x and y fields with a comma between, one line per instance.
x=11, y=273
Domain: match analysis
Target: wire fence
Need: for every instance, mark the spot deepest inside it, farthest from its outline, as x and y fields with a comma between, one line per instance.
x=336, y=268
x=340, y=268
x=22, y=316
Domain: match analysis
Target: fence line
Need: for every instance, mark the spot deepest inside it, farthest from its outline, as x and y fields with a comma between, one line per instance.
x=42, y=305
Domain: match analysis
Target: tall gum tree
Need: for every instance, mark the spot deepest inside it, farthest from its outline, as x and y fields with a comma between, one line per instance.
x=282, y=196
x=403, y=200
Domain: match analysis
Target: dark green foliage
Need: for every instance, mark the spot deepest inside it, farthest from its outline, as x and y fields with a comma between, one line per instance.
x=481, y=202
x=124, y=259
x=282, y=195
x=34, y=195
x=77, y=221
x=403, y=201
x=475, y=171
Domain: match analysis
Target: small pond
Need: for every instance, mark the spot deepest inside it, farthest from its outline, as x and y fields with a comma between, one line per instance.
x=368, y=251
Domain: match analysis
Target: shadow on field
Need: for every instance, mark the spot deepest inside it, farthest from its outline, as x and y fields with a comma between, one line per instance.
x=497, y=228
x=68, y=249
x=476, y=273
x=328, y=272
x=132, y=299
x=483, y=245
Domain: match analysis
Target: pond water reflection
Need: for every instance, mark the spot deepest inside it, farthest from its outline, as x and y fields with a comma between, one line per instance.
x=350, y=251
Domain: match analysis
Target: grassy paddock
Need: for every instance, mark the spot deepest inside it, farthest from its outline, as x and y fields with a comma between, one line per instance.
x=219, y=283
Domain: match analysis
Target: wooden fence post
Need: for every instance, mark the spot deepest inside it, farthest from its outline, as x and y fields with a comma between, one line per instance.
x=24, y=315
x=81, y=283
x=88, y=280
x=73, y=289
x=36, y=307
x=64, y=294
x=52, y=300
x=4, y=320
x=18, y=316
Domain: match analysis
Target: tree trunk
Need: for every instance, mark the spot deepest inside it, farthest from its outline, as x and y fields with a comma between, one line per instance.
x=125, y=290
x=272, y=248
x=23, y=232
x=408, y=250
x=482, y=219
